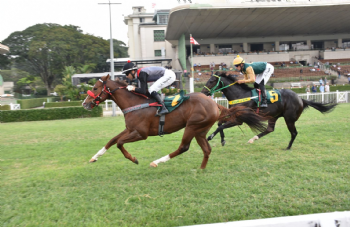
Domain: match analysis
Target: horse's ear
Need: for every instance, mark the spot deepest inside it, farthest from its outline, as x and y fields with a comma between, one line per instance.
x=105, y=78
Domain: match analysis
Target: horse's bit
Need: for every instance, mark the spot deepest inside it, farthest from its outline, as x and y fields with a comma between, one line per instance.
x=213, y=89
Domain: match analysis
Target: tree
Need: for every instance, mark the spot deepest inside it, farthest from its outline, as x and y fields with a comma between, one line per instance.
x=61, y=90
x=45, y=49
x=120, y=49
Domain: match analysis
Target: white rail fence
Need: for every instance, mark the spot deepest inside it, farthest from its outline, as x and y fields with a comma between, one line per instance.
x=338, y=97
x=335, y=219
x=325, y=97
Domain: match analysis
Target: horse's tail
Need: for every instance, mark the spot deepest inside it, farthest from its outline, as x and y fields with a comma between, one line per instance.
x=322, y=107
x=242, y=114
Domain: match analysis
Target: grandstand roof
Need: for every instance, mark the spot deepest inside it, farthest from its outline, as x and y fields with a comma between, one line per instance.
x=259, y=19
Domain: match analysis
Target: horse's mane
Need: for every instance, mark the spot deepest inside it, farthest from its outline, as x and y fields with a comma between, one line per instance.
x=233, y=79
x=121, y=82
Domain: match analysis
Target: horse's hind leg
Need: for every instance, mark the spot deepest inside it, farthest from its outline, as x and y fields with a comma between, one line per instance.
x=203, y=143
x=184, y=146
x=270, y=128
x=293, y=132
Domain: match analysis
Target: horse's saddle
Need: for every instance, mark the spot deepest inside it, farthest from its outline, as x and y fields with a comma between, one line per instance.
x=174, y=101
x=272, y=96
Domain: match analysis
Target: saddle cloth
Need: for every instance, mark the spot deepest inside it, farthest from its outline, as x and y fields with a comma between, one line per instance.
x=272, y=96
x=174, y=101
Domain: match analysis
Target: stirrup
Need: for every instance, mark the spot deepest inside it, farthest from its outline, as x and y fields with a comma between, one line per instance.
x=162, y=111
x=263, y=104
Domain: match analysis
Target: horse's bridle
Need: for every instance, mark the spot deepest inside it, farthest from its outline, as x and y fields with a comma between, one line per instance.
x=105, y=90
x=213, y=89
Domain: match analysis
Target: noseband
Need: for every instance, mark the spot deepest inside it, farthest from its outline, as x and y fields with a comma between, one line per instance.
x=215, y=89
x=105, y=90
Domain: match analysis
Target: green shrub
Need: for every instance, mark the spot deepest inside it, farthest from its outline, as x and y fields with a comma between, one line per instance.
x=5, y=107
x=62, y=104
x=48, y=114
x=31, y=103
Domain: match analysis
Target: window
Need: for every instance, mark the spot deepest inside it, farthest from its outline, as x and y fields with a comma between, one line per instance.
x=142, y=20
x=157, y=53
x=163, y=19
x=159, y=35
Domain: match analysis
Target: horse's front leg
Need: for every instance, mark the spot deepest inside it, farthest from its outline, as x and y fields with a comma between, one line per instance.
x=124, y=137
x=219, y=129
x=108, y=145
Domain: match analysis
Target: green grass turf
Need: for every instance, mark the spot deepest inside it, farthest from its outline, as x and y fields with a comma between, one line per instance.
x=46, y=179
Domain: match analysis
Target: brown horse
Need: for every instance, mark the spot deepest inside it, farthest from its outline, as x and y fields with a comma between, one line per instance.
x=196, y=115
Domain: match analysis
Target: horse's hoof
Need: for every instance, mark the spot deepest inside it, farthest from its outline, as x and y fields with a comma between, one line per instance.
x=210, y=137
x=153, y=165
x=92, y=160
x=252, y=139
x=223, y=143
x=136, y=161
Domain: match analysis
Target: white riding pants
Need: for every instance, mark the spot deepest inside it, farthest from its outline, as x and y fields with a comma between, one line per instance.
x=265, y=75
x=164, y=81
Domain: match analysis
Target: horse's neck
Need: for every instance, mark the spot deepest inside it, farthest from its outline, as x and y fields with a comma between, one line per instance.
x=125, y=99
x=235, y=91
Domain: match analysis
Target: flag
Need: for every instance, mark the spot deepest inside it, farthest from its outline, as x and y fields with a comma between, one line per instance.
x=193, y=41
x=153, y=5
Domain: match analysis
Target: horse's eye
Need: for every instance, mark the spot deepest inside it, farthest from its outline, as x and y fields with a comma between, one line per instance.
x=95, y=88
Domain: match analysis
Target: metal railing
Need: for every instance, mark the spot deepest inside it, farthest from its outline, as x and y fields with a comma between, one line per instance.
x=322, y=97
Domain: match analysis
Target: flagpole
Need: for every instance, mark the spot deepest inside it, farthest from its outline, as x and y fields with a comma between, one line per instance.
x=191, y=78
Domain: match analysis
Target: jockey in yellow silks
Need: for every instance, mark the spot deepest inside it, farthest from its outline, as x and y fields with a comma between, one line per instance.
x=258, y=73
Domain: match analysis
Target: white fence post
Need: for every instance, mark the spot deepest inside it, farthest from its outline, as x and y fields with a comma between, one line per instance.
x=106, y=103
x=337, y=96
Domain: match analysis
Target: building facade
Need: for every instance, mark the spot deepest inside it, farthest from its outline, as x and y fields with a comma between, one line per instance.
x=263, y=30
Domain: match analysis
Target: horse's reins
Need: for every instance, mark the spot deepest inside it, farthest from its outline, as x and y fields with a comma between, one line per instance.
x=105, y=89
x=215, y=89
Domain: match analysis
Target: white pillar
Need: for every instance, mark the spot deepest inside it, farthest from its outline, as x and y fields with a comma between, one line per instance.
x=340, y=43
x=277, y=45
x=245, y=47
x=212, y=48
x=308, y=43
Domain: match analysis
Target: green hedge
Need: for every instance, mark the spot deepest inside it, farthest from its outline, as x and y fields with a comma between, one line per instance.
x=63, y=104
x=48, y=114
x=5, y=107
x=31, y=103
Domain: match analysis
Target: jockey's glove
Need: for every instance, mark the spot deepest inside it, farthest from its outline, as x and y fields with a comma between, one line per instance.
x=130, y=88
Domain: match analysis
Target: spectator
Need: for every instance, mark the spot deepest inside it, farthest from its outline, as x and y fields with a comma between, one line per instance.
x=314, y=89
x=326, y=88
x=307, y=90
x=321, y=81
x=338, y=74
x=325, y=80
x=349, y=79
x=322, y=88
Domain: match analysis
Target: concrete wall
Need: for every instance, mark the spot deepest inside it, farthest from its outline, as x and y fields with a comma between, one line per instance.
x=277, y=57
x=338, y=54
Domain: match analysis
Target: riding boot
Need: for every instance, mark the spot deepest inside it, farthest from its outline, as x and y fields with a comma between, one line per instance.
x=163, y=109
x=264, y=98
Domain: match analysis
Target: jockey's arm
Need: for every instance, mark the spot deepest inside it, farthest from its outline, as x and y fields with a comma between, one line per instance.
x=143, y=83
x=249, y=76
